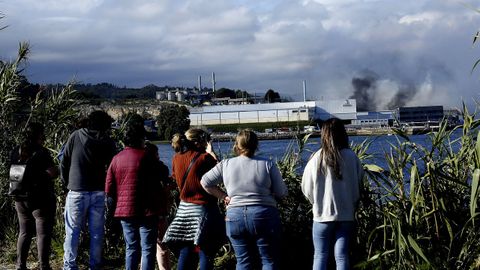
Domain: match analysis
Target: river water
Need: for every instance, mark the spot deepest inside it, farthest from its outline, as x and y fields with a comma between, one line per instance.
x=276, y=149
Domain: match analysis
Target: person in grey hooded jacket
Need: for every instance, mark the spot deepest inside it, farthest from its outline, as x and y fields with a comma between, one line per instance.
x=86, y=157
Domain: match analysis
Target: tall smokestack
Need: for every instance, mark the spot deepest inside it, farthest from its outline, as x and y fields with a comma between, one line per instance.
x=213, y=81
x=199, y=83
x=304, y=90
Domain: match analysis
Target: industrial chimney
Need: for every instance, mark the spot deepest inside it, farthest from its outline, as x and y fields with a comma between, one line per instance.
x=304, y=90
x=213, y=81
x=199, y=84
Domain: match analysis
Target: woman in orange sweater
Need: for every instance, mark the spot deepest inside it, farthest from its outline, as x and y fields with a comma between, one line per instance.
x=198, y=229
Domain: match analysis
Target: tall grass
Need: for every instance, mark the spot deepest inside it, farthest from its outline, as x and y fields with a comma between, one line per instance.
x=426, y=202
x=56, y=109
x=420, y=211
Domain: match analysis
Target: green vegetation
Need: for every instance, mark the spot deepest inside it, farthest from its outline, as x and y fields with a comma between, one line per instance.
x=108, y=91
x=55, y=109
x=420, y=212
x=58, y=110
x=172, y=119
x=272, y=96
x=427, y=202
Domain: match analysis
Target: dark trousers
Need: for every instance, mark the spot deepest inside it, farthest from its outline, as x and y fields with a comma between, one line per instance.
x=34, y=217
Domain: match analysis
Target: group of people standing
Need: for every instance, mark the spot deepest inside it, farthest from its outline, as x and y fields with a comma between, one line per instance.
x=136, y=184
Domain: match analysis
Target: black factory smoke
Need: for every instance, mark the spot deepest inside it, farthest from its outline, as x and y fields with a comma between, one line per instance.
x=367, y=94
x=364, y=92
x=402, y=97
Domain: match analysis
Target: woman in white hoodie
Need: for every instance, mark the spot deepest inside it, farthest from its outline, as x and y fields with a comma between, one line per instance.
x=331, y=182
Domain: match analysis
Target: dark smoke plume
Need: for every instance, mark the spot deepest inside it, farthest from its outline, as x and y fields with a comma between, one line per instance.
x=402, y=97
x=363, y=92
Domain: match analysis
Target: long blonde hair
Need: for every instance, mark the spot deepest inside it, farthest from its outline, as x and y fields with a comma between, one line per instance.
x=334, y=139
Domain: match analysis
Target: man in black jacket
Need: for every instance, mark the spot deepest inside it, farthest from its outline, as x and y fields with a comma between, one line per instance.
x=86, y=157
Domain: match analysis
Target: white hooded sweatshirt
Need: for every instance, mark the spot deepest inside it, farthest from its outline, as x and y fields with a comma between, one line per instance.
x=333, y=199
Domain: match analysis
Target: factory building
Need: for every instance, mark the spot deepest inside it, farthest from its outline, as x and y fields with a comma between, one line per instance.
x=344, y=109
x=420, y=115
x=374, y=119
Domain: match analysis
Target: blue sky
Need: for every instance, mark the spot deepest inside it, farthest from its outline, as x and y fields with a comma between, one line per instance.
x=419, y=48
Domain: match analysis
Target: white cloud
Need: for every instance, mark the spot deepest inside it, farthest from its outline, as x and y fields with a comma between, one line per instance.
x=425, y=17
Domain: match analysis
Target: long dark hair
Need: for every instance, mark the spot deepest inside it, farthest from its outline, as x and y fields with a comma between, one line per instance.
x=135, y=133
x=334, y=139
x=31, y=141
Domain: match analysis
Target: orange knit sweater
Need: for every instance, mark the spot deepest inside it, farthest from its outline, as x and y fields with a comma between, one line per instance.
x=191, y=191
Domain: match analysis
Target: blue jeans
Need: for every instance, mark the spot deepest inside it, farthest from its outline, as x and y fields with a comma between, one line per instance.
x=141, y=242
x=187, y=260
x=81, y=208
x=326, y=234
x=254, y=231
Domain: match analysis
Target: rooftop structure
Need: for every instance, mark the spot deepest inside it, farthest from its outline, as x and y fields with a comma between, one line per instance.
x=344, y=109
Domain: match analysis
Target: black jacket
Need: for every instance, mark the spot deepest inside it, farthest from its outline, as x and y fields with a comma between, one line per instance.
x=36, y=179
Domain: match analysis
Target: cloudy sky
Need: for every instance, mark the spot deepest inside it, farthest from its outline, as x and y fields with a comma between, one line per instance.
x=410, y=52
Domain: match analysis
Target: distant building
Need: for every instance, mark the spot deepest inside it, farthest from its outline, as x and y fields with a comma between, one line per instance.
x=344, y=109
x=231, y=101
x=180, y=96
x=171, y=96
x=420, y=115
x=374, y=119
x=160, y=95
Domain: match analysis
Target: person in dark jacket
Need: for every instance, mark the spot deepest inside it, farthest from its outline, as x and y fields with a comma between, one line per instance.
x=160, y=172
x=86, y=156
x=135, y=189
x=35, y=210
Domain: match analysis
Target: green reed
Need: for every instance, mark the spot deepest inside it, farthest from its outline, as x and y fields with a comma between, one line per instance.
x=425, y=202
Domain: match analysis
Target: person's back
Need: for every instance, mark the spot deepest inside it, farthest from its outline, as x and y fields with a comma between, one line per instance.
x=36, y=205
x=198, y=226
x=333, y=199
x=86, y=157
x=248, y=181
x=331, y=182
x=190, y=189
x=133, y=184
x=252, y=186
x=135, y=195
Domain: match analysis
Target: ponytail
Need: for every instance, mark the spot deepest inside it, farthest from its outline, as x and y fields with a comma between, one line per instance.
x=179, y=142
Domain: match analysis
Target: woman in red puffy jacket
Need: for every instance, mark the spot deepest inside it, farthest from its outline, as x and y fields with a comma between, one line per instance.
x=135, y=191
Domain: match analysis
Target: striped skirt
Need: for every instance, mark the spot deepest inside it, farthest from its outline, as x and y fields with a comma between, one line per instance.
x=200, y=225
x=187, y=224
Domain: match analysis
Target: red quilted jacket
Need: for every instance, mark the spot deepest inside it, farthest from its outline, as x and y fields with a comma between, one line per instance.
x=135, y=194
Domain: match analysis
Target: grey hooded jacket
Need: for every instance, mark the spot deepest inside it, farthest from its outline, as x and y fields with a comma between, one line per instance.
x=85, y=160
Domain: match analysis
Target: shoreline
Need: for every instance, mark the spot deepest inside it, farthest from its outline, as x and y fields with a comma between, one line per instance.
x=230, y=136
x=351, y=132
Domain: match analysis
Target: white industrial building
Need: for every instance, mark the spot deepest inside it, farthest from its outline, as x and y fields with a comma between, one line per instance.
x=345, y=109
